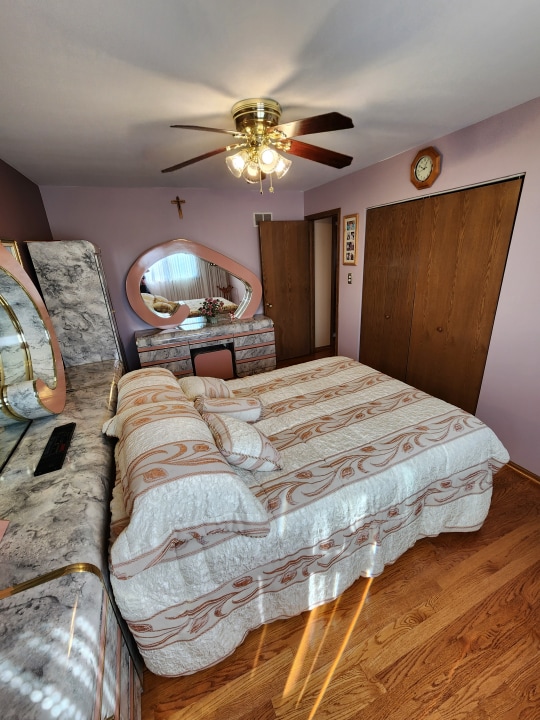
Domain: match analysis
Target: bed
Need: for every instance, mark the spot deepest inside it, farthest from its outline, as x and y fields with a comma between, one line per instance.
x=243, y=501
x=164, y=307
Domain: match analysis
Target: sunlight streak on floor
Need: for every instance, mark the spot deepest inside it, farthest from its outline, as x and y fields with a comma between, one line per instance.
x=259, y=650
x=323, y=640
x=294, y=674
x=340, y=652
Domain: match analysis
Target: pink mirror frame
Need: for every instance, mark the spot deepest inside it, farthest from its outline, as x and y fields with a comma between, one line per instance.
x=247, y=307
x=47, y=398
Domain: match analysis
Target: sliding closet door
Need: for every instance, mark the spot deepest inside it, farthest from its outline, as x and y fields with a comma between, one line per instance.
x=465, y=238
x=390, y=268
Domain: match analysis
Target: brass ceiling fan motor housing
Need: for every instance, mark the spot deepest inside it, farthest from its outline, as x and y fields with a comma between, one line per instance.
x=256, y=115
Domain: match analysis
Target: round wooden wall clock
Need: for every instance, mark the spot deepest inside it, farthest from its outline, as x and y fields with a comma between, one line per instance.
x=425, y=168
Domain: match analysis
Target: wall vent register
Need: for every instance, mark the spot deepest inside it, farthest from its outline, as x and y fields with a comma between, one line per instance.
x=261, y=217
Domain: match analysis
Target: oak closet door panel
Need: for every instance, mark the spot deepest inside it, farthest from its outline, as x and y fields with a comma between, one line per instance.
x=465, y=241
x=390, y=260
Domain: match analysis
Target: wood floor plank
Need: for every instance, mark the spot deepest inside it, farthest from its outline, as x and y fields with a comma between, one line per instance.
x=258, y=648
x=448, y=632
x=338, y=693
x=426, y=677
x=235, y=697
x=450, y=604
x=467, y=701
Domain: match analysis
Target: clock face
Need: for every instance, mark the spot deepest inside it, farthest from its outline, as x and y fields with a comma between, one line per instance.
x=423, y=168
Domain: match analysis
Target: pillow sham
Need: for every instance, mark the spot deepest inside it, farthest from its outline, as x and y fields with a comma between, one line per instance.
x=241, y=444
x=136, y=387
x=147, y=386
x=144, y=414
x=248, y=409
x=196, y=385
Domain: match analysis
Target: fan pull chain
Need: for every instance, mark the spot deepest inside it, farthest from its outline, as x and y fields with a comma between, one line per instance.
x=271, y=188
x=260, y=182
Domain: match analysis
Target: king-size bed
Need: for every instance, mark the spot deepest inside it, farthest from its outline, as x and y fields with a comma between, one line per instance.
x=243, y=501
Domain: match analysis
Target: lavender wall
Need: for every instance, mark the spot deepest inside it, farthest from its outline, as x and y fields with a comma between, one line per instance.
x=501, y=146
x=22, y=214
x=123, y=222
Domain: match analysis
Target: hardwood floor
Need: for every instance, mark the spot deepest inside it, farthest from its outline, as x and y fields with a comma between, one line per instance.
x=450, y=631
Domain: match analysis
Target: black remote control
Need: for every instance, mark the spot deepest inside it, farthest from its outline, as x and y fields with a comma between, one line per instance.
x=56, y=448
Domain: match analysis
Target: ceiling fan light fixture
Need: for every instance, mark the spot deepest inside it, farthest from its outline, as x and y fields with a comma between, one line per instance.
x=262, y=137
x=237, y=162
x=282, y=167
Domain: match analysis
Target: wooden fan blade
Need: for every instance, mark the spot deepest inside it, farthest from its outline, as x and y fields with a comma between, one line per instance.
x=318, y=154
x=316, y=124
x=200, y=157
x=207, y=129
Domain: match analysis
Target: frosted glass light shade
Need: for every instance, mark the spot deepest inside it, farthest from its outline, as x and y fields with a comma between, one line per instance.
x=251, y=172
x=282, y=167
x=237, y=162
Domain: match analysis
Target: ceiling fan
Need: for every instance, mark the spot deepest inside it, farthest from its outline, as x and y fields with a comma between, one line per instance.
x=260, y=136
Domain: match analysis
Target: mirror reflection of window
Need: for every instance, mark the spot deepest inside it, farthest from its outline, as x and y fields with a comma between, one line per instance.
x=183, y=277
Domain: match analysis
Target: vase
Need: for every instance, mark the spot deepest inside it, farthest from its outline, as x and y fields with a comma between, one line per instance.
x=212, y=320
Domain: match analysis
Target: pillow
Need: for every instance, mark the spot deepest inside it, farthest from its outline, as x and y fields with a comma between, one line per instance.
x=248, y=409
x=148, y=386
x=196, y=385
x=145, y=378
x=242, y=444
x=142, y=414
x=164, y=306
x=148, y=300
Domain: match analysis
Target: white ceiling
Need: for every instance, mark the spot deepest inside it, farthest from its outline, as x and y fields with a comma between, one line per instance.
x=88, y=89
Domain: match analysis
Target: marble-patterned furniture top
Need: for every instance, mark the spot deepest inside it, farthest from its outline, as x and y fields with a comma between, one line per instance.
x=74, y=288
x=61, y=519
x=198, y=329
x=49, y=643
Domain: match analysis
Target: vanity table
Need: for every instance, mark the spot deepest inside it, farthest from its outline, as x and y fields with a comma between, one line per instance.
x=64, y=651
x=181, y=339
x=249, y=346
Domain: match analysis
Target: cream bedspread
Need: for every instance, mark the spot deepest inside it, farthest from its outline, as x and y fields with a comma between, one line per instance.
x=370, y=465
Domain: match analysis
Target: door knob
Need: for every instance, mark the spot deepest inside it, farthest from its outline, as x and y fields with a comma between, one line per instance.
x=387, y=317
x=269, y=305
x=439, y=329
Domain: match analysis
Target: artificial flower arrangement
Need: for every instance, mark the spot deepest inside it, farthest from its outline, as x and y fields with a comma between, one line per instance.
x=211, y=307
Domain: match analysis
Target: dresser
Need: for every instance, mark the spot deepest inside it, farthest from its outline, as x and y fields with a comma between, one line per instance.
x=248, y=345
x=64, y=650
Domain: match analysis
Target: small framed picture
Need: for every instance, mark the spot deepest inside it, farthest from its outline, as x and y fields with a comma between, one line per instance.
x=350, y=239
x=13, y=248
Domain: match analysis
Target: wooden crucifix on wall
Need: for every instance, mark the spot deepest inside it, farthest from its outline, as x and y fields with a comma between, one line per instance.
x=178, y=204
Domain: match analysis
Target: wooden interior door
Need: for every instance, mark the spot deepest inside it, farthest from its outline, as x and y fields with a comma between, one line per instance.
x=465, y=237
x=287, y=279
x=390, y=267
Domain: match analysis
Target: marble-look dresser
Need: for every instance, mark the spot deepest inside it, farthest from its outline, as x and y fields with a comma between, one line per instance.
x=64, y=653
x=252, y=344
